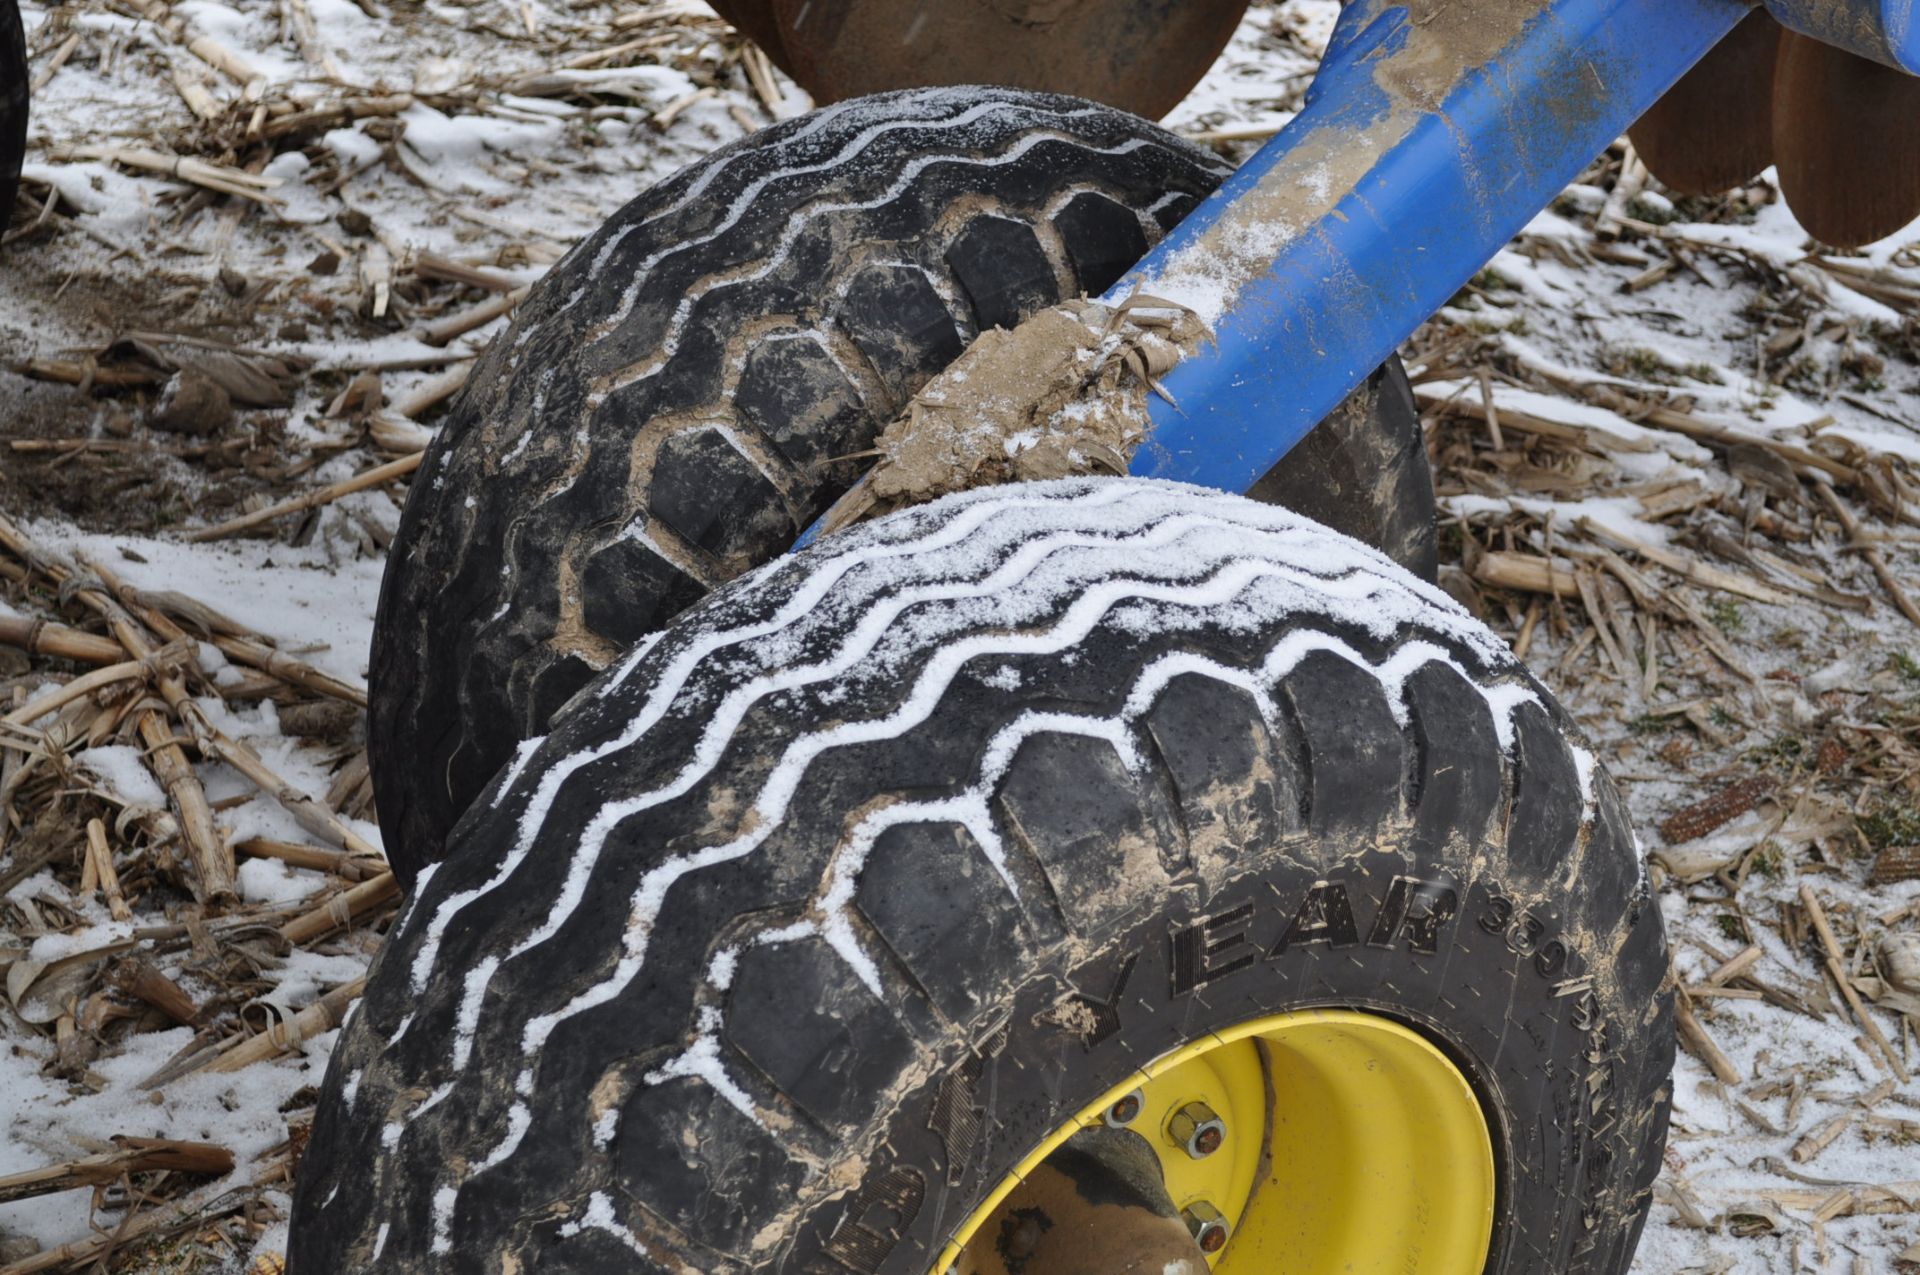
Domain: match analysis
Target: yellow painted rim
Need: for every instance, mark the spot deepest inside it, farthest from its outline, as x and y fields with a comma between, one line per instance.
x=1353, y=1147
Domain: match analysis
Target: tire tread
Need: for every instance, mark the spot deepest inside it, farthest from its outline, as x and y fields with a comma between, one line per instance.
x=751, y=1011
x=621, y=402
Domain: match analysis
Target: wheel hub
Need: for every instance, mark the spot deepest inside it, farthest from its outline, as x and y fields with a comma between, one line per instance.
x=1316, y=1142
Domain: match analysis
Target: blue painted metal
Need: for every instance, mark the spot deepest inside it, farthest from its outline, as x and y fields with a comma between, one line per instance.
x=1433, y=132
x=1885, y=30
x=1449, y=182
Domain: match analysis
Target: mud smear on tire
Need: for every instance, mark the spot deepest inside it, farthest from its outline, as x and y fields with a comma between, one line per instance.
x=1062, y=395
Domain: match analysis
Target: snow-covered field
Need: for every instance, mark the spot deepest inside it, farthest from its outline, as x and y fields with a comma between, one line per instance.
x=1647, y=408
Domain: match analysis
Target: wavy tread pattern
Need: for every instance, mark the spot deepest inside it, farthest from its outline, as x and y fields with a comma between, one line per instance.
x=677, y=400
x=709, y=946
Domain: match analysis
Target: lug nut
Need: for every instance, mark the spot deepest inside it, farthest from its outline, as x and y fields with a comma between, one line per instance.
x=1197, y=1130
x=1208, y=1228
x=1125, y=1111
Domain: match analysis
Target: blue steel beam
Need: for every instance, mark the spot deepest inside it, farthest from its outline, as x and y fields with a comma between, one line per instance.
x=1435, y=130
x=1885, y=30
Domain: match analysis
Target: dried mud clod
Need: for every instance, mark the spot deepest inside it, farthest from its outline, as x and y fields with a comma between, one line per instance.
x=1064, y=394
x=192, y=403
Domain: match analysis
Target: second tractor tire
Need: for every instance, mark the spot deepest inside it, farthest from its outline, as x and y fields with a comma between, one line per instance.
x=680, y=397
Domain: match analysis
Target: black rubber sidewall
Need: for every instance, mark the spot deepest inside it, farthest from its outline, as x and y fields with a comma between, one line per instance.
x=1546, y=1183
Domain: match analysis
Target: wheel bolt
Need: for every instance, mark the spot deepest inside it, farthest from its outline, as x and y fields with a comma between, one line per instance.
x=1126, y=1110
x=1196, y=1129
x=1208, y=1228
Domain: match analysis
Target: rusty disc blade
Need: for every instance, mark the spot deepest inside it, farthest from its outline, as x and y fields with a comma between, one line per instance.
x=1846, y=137
x=1140, y=55
x=757, y=21
x=1714, y=129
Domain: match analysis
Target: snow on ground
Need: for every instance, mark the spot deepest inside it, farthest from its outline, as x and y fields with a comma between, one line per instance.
x=1756, y=342
x=1647, y=380
x=316, y=600
x=481, y=146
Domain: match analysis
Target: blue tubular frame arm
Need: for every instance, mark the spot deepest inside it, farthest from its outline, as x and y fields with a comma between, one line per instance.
x=1885, y=30
x=1435, y=130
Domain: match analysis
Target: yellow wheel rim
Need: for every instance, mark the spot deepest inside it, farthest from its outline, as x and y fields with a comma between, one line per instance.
x=1351, y=1145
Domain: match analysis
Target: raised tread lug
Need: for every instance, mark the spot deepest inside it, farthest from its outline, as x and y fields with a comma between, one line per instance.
x=708, y=491
x=930, y=891
x=1103, y=238
x=833, y=1052
x=628, y=589
x=900, y=322
x=1356, y=752
x=1003, y=270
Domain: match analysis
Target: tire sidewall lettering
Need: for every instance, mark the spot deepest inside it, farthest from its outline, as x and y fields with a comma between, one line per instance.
x=1141, y=1006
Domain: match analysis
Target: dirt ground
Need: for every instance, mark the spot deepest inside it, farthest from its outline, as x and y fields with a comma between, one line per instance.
x=1675, y=443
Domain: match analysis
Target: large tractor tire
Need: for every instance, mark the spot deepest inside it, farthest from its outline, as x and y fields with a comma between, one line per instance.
x=821, y=923
x=684, y=393
x=13, y=104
